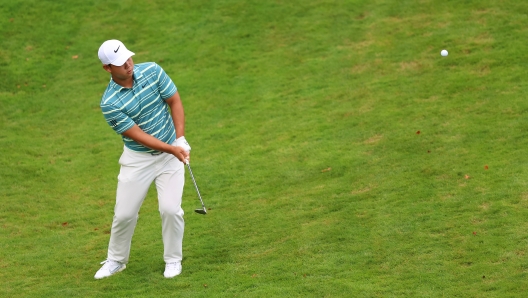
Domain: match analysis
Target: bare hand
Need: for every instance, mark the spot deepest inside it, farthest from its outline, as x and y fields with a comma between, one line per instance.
x=181, y=154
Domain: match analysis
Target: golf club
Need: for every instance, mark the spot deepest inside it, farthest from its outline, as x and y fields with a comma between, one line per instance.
x=202, y=210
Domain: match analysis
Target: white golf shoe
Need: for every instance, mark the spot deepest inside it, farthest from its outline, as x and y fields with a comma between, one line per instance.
x=172, y=269
x=109, y=268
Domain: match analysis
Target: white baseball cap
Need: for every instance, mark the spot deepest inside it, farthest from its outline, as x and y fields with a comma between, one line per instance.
x=114, y=52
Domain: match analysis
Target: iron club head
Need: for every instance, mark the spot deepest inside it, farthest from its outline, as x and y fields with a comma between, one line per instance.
x=200, y=210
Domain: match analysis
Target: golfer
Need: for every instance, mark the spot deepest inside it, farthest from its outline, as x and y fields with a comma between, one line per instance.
x=141, y=103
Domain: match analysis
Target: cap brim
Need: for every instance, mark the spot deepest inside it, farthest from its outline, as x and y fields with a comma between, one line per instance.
x=123, y=58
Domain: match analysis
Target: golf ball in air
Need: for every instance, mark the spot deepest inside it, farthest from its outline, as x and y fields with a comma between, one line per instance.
x=443, y=53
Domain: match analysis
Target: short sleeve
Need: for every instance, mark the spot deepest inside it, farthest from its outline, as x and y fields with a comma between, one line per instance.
x=118, y=120
x=165, y=85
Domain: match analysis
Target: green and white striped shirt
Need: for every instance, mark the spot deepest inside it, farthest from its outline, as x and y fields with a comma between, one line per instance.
x=143, y=104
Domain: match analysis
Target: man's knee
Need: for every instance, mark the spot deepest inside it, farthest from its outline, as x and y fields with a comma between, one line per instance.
x=170, y=211
x=125, y=217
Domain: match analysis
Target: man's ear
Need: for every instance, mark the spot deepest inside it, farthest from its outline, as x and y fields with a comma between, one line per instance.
x=107, y=68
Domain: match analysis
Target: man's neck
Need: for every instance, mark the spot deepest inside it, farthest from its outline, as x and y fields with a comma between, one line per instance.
x=127, y=83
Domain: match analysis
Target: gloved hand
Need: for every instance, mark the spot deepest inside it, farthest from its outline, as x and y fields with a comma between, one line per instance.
x=182, y=142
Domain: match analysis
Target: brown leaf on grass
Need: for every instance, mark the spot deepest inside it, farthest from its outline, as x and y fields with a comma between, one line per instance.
x=75, y=56
x=486, y=167
x=418, y=132
x=474, y=233
x=326, y=170
x=64, y=224
x=467, y=177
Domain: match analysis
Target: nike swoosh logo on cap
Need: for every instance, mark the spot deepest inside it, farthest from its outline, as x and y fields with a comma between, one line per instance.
x=117, y=49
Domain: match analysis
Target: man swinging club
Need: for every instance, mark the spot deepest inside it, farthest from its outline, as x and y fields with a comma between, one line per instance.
x=136, y=105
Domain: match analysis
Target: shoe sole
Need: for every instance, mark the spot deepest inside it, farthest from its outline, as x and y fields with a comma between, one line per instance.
x=120, y=269
x=173, y=275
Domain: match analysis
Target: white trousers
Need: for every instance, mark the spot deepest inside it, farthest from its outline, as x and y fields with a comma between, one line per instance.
x=138, y=171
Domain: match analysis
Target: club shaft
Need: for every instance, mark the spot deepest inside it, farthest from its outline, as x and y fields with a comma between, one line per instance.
x=195, y=185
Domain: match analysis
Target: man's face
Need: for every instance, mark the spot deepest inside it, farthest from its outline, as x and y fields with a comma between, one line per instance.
x=122, y=72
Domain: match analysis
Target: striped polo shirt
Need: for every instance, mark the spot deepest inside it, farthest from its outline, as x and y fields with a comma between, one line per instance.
x=143, y=104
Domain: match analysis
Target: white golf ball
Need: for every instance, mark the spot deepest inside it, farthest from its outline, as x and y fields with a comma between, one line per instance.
x=443, y=53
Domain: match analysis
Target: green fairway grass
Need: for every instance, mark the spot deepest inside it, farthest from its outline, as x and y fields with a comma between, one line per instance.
x=339, y=154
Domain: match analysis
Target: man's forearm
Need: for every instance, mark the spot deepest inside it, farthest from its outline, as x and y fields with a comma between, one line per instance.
x=177, y=113
x=135, y=133
x=179, y=122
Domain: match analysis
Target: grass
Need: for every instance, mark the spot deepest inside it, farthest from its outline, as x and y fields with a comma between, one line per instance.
x=340, y=155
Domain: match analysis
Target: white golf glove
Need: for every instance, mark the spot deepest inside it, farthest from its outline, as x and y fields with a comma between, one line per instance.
x=182, y=142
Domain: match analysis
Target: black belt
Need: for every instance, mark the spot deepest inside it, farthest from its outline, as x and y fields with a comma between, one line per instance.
x=156, y=153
